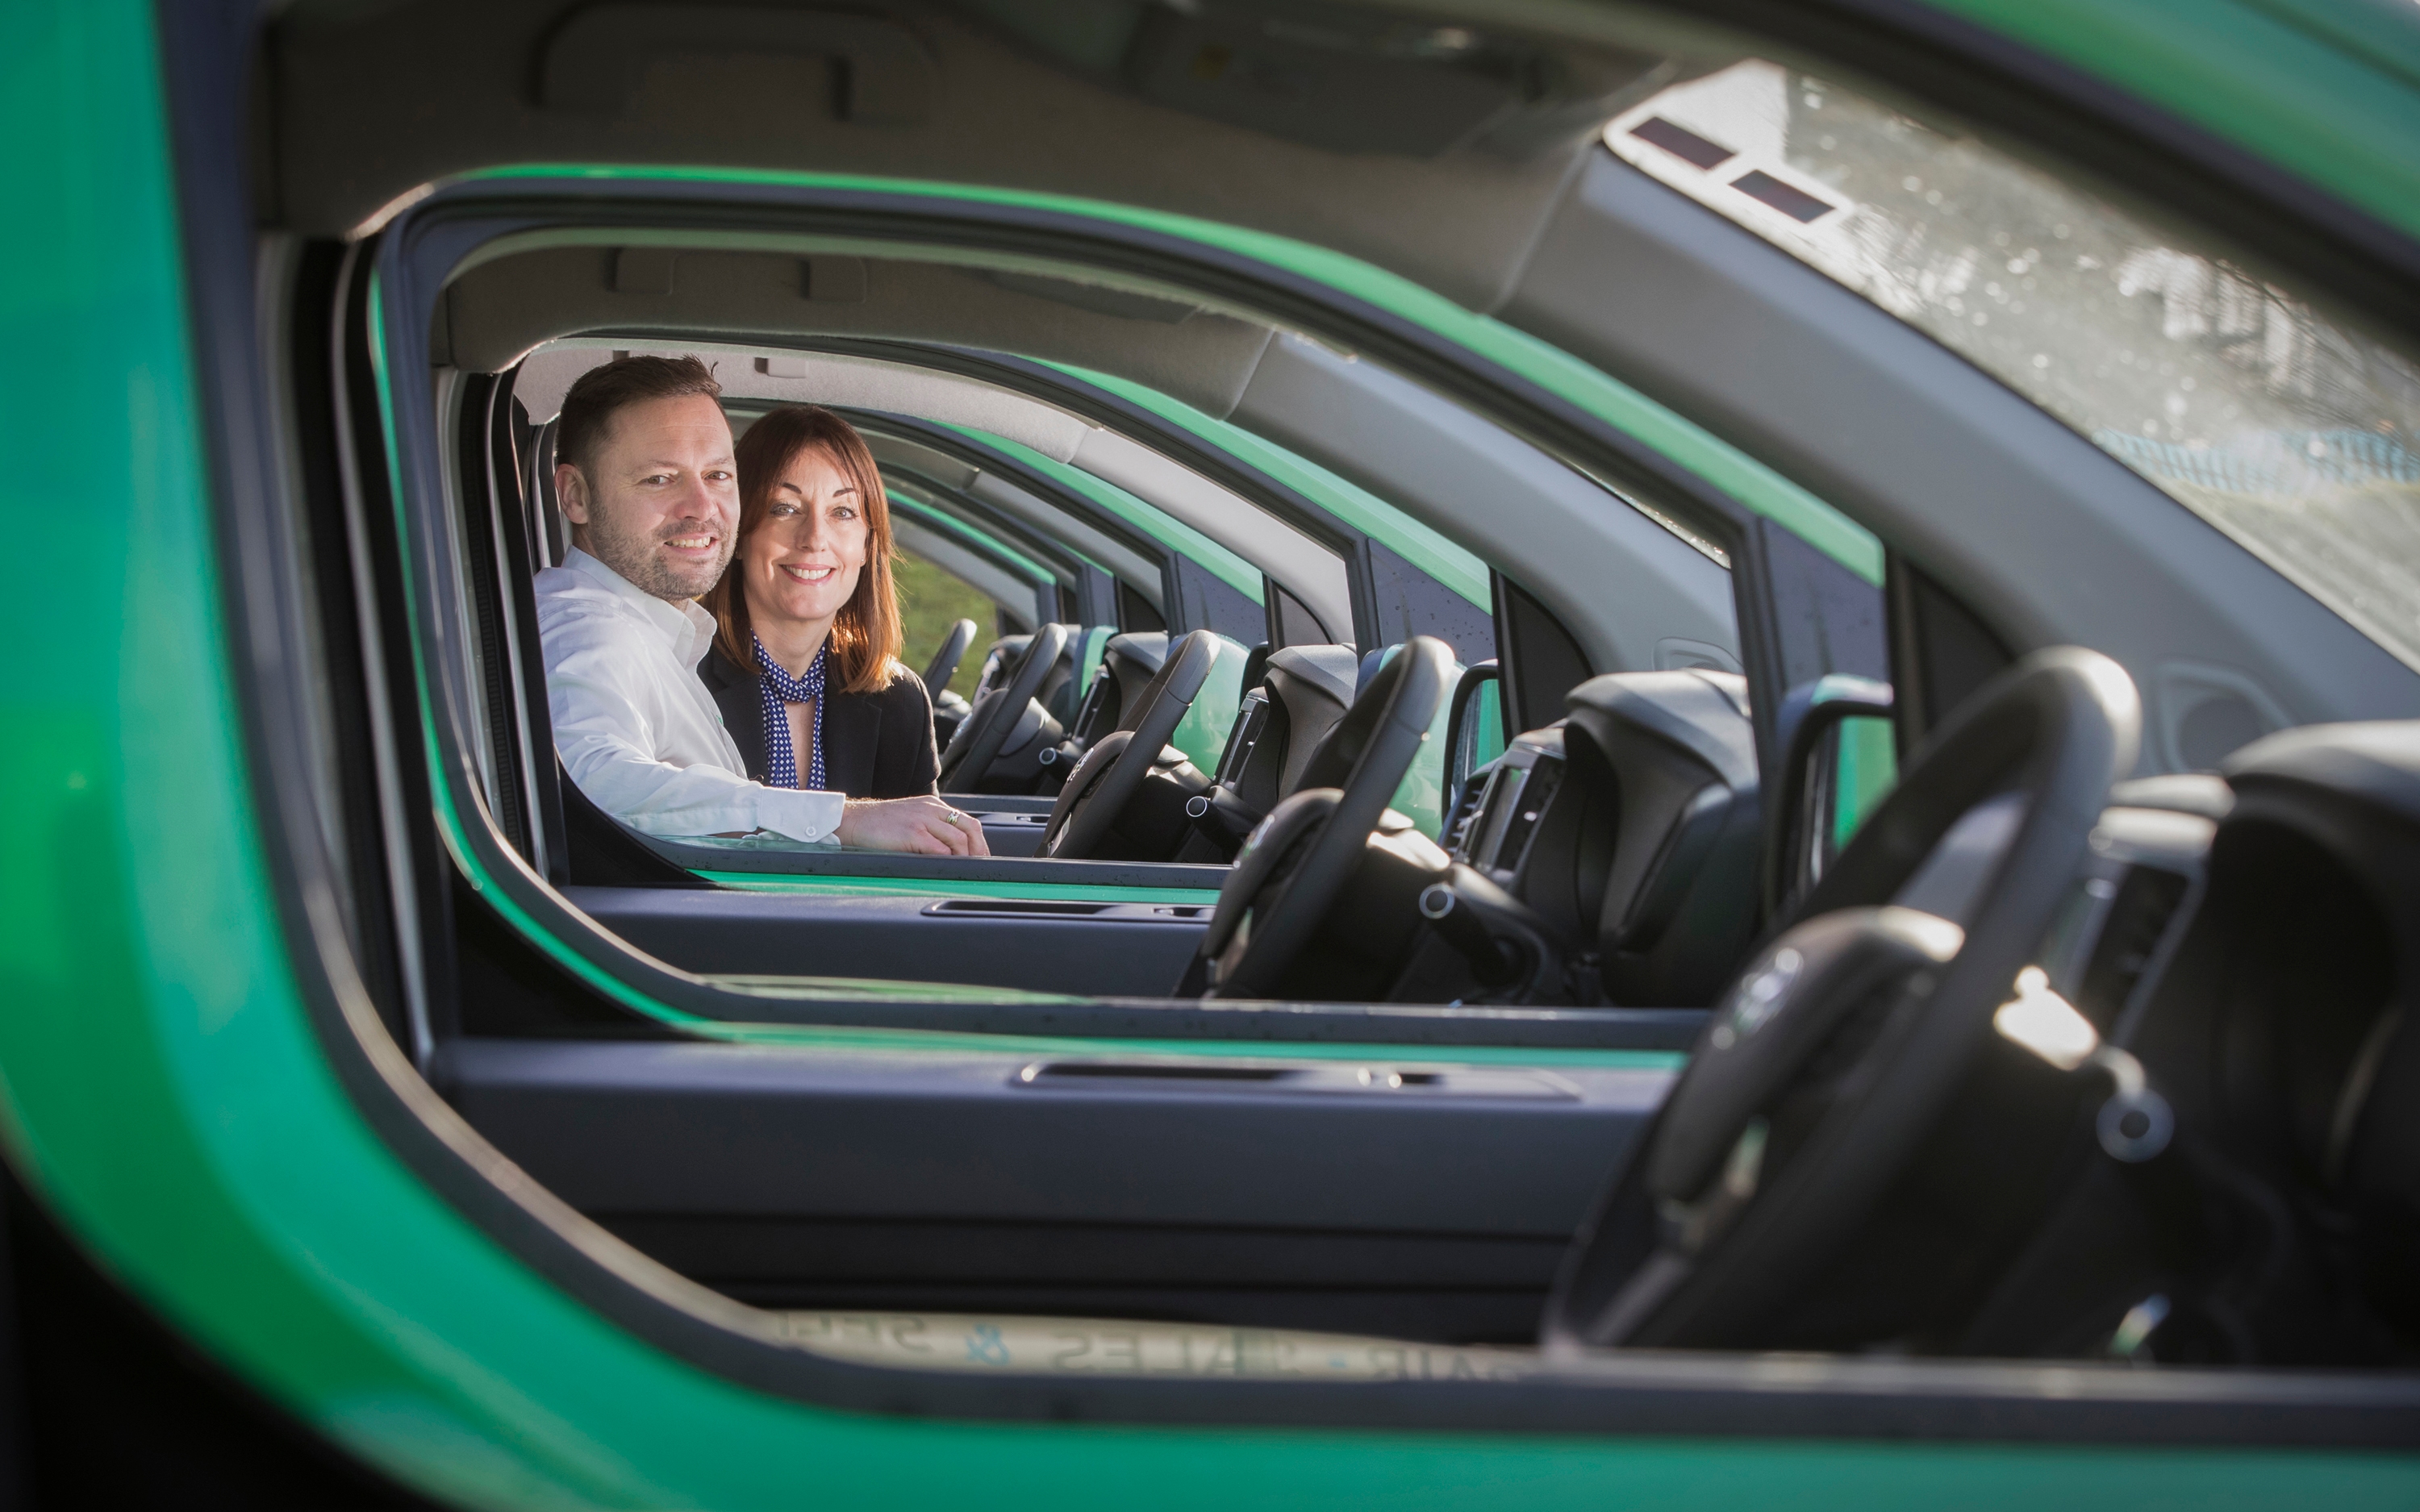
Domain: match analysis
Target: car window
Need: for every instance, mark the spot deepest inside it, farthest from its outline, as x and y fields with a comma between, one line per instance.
x=932, y=599
x=2293, y=430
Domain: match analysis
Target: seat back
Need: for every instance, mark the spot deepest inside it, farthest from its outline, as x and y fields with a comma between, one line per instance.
x=1680, y=900
x=1311, y=688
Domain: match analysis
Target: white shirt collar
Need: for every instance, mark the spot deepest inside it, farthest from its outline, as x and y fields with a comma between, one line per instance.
x=688, y=628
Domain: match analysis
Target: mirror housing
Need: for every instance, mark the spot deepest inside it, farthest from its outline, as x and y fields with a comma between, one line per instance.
x=1799, y=814
x=1467, y=732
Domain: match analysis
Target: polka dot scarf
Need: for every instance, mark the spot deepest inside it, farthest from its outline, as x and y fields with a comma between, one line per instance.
x=780, y=691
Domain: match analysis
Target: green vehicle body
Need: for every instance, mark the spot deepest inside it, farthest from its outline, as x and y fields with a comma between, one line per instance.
x=165, y=1095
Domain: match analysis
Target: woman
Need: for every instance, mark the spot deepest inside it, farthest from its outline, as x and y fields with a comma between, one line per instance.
x=806, y=660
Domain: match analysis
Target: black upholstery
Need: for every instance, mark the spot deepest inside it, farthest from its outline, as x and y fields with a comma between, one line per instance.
x=1311, y=687
x=1681, y=899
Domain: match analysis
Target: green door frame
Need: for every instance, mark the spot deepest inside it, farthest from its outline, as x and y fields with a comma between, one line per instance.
x=192, y=1085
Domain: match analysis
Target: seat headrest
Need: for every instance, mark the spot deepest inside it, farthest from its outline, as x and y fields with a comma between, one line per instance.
x=1333, y=670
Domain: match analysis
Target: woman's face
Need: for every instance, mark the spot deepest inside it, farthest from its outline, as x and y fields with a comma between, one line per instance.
x=801, y=562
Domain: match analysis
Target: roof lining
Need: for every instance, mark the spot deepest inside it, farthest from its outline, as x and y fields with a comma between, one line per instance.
x=753, y=296
x=374, y=103
x=850, y=382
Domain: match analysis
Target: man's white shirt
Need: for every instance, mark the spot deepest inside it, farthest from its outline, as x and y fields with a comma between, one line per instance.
x=636, y=728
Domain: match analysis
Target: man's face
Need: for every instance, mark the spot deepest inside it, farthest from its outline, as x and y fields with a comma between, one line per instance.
x=662, y=497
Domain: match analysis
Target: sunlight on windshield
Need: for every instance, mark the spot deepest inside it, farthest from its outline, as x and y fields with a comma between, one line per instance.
x=2298, y=437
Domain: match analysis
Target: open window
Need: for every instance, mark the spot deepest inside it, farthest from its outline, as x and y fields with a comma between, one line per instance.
x=1334, y=497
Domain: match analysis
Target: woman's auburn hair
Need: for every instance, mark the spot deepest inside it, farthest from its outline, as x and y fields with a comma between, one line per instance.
x=866, y=637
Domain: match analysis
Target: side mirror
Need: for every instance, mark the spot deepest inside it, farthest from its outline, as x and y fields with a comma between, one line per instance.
x=1839, y=759
x=1474, y=736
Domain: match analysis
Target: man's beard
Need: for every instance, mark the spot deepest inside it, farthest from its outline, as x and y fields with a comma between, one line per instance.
x=636, y=558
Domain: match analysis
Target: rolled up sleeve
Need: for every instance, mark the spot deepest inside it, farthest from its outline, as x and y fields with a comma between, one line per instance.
x=599, y=698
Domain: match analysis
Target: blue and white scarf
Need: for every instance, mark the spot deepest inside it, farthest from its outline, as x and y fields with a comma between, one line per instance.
x=780, y=691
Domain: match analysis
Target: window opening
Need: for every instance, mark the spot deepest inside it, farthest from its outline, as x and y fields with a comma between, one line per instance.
x=931, y=600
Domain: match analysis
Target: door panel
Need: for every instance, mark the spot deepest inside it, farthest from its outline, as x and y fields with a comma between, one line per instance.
x=1098, y=1183
x=1104, y=948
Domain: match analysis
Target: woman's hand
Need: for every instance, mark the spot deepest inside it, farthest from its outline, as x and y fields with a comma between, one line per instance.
x=924, y=825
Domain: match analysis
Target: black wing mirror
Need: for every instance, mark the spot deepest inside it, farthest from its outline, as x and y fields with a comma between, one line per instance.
x=1474, y=736
x=1839, y=759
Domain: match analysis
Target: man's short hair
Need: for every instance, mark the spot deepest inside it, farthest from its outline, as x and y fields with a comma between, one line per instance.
x=602, y=392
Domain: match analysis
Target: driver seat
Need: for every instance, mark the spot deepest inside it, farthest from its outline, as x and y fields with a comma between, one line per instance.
x=1303, y=694
x=1128, y=663
x=1680, y=905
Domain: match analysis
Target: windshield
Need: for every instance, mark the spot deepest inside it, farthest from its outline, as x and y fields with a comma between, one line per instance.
x=2283, y=427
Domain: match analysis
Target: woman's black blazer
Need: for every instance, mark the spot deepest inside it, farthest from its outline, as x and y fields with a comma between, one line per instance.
x=876, y=745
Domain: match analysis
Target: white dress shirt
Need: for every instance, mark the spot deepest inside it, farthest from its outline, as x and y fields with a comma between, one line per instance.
x=636, y=730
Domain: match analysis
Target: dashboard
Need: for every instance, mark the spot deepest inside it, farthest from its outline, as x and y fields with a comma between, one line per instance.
x=1493, y=832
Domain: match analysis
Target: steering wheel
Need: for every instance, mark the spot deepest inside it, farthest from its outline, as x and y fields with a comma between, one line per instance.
x=1113, y=770
x=1297, y=863
x=944, y=664
x=994, y=714
x=1822, y=1071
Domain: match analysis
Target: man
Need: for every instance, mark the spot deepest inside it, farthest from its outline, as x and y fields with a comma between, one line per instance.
x=644, y=474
